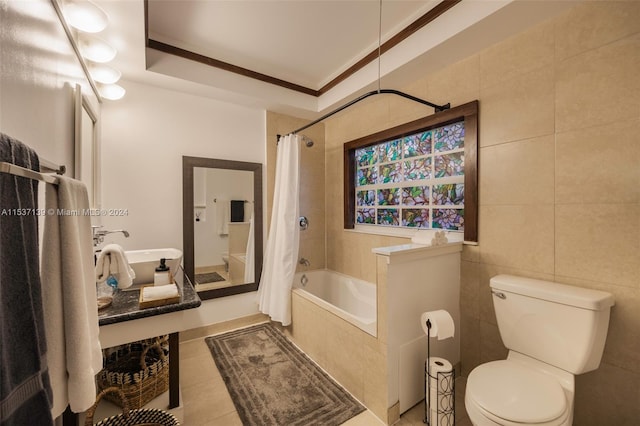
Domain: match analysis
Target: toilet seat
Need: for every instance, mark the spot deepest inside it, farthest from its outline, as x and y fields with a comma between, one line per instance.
x=509, y=393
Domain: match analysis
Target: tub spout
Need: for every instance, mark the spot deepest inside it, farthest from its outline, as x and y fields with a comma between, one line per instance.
x=304, y=261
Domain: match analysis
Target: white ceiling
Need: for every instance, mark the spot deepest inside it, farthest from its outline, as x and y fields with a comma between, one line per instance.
x=305, y=42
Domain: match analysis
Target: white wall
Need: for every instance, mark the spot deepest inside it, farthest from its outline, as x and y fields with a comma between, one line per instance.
x=144, y=136
x=38, y=71
x=219, y=185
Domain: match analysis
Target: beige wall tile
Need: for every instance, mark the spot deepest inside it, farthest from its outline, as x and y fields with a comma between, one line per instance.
x=520, y=172
x=382, y=295
x=520, y=54
x=517, y=109
x=607, y=396
x=403, y=110
x=375, y=381
x=623, y=340
x=599, y=164
x=599, y=242
x=308, y=328
x=518, y=237
x=595, y=24
x=469, y=343
x=457, y=84
x=470, y=289
x=536, y=101
x=470, y=253
x=599, y=86
x=345, y=350
x=491, y=347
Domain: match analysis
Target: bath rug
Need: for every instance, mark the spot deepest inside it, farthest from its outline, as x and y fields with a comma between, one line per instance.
x=212, y=277
x=272, y=383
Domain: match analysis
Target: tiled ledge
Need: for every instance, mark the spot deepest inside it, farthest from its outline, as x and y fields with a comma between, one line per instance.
x=412, y=251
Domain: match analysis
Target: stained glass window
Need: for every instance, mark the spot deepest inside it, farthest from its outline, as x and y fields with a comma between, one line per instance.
x=416, y=181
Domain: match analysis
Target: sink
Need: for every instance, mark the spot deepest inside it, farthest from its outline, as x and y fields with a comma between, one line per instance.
x=144, y=262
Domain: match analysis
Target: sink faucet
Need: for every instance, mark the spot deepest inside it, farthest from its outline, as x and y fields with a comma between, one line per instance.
x=99, y=234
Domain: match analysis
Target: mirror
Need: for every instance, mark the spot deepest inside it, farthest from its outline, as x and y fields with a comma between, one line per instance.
x=87, y=150
x=222, y=225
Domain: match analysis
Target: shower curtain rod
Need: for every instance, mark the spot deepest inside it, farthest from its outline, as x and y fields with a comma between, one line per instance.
x=438, y=108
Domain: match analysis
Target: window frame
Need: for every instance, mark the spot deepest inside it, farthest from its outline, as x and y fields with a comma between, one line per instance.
x=469, y=114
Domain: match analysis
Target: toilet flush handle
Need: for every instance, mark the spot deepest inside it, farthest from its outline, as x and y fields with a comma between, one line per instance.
x=499, y=294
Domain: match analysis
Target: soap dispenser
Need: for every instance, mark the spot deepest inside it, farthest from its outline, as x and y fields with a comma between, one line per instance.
x=163, y=274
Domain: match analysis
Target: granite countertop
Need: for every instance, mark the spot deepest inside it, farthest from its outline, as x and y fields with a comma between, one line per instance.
x=125, y=303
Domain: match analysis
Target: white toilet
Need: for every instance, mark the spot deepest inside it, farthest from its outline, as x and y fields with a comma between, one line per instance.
x=225, y=259
x=553, y=332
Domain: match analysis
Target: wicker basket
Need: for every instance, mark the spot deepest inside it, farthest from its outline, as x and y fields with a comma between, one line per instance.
x=140, y=371
x=144, y=417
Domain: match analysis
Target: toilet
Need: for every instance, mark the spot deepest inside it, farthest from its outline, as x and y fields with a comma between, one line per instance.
x=225, y=259
x=553, y=332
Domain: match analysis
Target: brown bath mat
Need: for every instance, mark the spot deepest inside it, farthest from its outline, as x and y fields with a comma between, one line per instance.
x=212, y=277
x=272, y=383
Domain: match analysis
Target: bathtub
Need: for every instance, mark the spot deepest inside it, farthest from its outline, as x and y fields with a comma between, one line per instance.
x=349, y=298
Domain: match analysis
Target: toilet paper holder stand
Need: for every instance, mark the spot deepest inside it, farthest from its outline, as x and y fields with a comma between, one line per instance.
x=445, y=416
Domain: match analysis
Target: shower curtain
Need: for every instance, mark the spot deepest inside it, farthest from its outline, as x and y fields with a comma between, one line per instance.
x=281, y=255
x=250, y=257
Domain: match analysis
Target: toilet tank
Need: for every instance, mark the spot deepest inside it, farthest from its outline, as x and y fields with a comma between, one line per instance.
x=562, y=325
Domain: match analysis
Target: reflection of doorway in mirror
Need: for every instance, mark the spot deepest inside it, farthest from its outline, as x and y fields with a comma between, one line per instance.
x=220, y=245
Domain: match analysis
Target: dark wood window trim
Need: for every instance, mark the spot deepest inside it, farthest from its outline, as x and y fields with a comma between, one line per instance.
x=467, y=112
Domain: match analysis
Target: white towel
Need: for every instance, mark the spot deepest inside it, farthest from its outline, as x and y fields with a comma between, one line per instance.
x=113, y=261
x=159, y=292
x=71, y=312
x=223, y=208
x=439, y=239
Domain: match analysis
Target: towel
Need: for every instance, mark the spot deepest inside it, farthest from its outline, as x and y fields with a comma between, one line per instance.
x=159, y=292
x=250, y=262
x=25, y=391
x=237, y=210
x=68, y=279
x=439, y=239
x=113, y=261
x=222, y=217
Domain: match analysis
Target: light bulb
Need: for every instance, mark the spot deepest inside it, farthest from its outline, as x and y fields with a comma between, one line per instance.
x=86, y=16
x=105, y=74
x=113, y=92
x=96, y=50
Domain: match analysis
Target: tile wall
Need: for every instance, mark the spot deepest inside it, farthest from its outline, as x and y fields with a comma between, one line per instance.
x=312, y=184
x=559, y=182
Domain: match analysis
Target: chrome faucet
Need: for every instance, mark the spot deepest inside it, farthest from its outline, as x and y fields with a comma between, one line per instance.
x=304, y=261
x=99, y=234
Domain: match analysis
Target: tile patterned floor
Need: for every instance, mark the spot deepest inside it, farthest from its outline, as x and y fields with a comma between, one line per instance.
x=207, y=402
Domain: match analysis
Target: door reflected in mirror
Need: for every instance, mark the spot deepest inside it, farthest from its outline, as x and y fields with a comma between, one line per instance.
x=222, y=225
x=223, y=232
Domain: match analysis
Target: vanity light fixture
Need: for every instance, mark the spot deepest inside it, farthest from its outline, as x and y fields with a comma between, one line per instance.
x=86, y=16
x=104, y=74
x=113, y=92
x=96, y=49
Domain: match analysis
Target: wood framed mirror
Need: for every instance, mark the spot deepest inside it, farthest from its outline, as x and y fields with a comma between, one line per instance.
x=222, y=225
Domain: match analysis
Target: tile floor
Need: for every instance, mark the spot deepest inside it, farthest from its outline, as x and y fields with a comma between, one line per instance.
x=207, y=402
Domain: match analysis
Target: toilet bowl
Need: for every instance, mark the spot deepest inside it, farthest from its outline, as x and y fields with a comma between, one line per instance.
x=518, y=392
x=553, y=332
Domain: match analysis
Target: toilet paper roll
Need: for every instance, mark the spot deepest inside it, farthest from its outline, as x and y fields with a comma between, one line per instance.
x=442, y=325
x=439, y=365
x=441, y=396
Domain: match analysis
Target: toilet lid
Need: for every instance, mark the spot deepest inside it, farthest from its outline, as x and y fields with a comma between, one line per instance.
x=513, y=392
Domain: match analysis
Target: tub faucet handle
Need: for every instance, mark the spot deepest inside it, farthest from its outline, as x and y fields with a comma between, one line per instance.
x=304, y=261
